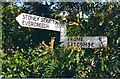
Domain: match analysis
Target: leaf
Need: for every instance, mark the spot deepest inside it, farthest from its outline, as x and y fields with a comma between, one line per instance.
x=101, y=23
x=73, y=24
x=111, y=23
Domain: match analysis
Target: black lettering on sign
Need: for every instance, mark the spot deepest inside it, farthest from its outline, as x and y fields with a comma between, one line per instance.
x=33, y=24
x=88, y=44
x=42, y=19
x=56, y=22
x=32, y=18
x=26, y=17
x=37, y=18
x=92, y=44
x=24, y=22
x=46, y=20
x=28, y=23
x=29, y=17
x=80, y=44
x=52, y=20
x=23, y=17
x=75, y=39
x=84, y=44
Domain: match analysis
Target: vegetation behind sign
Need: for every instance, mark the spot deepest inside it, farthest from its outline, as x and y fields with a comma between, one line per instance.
x=31, y=52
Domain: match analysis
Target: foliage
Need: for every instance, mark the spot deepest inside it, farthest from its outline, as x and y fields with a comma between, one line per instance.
x=24, y=57
x=15, y=36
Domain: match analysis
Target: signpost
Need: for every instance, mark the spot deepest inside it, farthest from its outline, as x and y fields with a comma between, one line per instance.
x=33, y=21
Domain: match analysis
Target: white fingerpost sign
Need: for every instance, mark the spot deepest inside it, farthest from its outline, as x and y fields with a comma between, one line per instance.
x=86, y=42
x=33, y=21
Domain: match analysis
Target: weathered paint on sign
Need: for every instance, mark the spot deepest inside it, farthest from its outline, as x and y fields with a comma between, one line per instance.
x=86, y=42
x=33, y=21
